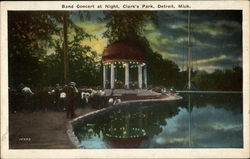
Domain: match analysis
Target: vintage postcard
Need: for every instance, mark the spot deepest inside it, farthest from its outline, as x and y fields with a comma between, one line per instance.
x=125, y=79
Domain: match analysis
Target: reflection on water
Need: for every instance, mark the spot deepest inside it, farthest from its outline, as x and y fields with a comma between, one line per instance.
x=197, y=121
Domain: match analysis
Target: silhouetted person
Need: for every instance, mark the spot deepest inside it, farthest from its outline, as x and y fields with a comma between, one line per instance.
x=111, y=101
x=62, y=102
x=57, y=96
x=24, y=98
x=71, y=97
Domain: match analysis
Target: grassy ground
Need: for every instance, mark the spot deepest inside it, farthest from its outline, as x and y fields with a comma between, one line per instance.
x=40, y=129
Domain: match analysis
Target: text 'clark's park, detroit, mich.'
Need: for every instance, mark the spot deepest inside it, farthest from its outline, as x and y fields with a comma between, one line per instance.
x=127, y=6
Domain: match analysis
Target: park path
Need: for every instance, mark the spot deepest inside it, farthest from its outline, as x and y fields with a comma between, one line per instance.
x=40, y=130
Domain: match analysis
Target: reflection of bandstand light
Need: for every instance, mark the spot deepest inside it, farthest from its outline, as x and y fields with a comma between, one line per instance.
x=139, y=132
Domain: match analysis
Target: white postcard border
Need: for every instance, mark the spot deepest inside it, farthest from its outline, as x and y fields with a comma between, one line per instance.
x=123, y=153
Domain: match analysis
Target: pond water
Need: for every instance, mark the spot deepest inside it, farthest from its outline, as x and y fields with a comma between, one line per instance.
x=196, y=121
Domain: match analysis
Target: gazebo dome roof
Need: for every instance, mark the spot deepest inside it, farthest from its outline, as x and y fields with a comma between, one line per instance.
x=122, y=51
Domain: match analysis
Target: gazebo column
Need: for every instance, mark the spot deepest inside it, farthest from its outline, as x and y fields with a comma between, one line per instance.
x=127, y=75
x=104, y=76
x=112, y=76
x=115, y=73
x=145, y=76
x=140, y=76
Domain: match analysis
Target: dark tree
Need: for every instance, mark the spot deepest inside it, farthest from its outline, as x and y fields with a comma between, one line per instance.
x=224, y=80
x=40, y=48
x=29, y=36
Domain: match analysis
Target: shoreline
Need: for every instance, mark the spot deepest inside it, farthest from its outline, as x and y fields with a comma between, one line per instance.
x=70, y=123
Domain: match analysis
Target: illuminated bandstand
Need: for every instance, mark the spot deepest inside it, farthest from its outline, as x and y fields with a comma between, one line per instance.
x=123, y=54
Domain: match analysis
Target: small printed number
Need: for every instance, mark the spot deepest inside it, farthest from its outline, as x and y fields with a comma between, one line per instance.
x=24, y=139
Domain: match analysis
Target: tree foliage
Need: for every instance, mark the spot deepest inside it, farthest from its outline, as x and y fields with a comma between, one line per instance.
x=126, y=25
x=36, y=49
x=29, y=35
x=226, y=80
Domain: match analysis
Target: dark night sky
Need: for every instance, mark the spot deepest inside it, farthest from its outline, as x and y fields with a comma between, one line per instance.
x=216, y=36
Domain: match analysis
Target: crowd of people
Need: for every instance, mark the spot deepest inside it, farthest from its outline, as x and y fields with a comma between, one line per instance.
x=60, y=98
x=64, y=98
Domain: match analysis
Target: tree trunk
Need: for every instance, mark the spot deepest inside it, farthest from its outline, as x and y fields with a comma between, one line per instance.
x=65, y=48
